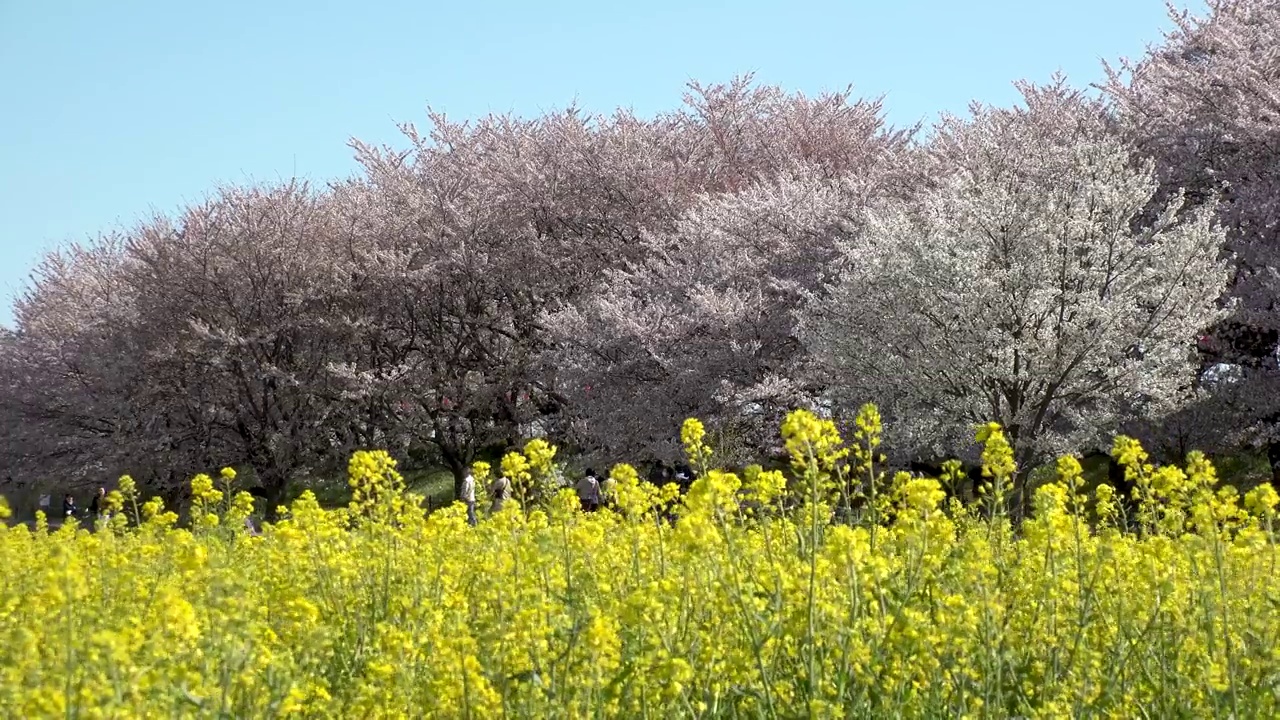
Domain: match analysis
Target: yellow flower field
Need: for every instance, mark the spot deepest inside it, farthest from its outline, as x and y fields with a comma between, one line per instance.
x=744, y=598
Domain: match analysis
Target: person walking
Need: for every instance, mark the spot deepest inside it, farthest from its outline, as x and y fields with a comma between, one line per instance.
x=468, y=497
x=98, y=505
x=589, y=491
x=500, y=491
x=68, y=506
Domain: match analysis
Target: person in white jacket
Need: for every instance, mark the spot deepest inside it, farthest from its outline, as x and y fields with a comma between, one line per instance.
x=468, y=497
x=589, y=491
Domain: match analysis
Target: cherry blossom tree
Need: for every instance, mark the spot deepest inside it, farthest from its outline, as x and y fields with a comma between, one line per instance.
x=1205, y=106
x=441, y=340
x=704, y=325
x=697, y=316
x=70, y=384
x=248, y=294
x=1016, y=287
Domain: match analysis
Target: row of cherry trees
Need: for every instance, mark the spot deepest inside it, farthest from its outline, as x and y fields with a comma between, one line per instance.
x=425, y=303
x=602, y=278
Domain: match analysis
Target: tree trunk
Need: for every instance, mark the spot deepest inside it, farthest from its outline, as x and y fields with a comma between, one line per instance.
x=1273, y=457
x=459, y=461
x=459, y=474
x=274, y=485
x=1124, y=490
x=1020, y=496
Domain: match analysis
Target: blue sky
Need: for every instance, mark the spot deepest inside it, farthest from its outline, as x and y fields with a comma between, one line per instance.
x=114, y=111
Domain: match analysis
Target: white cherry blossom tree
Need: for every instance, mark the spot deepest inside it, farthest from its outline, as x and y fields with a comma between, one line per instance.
x=1016, y=287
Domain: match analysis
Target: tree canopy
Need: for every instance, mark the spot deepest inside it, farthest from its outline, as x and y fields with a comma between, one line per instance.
x=1058, y=266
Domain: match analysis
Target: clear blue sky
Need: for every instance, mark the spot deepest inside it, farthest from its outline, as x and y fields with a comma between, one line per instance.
x=110, y=111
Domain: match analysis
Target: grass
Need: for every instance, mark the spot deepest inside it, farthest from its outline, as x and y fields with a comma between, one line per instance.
x=435, y=484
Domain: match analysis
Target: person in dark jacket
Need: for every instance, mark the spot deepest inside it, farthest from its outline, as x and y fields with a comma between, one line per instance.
x=68, y=506
x=98, y=505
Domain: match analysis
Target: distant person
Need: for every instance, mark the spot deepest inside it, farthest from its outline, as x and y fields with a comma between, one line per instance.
x=589, y=491
x=98, y=505
x=500, y=491
x=684, y=476
x=68, y=506
x=468, y=497
x=659, y=474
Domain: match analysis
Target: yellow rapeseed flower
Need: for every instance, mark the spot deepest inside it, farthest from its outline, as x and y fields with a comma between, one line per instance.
x=822, y=589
